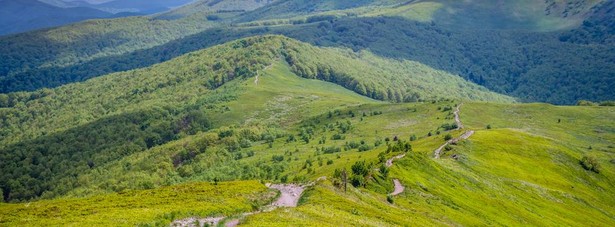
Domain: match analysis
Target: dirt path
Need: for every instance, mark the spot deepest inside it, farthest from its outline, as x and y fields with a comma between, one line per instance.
x=457, y=120
x=258, y=74
x=398, y=187
x=390, y=161
x=464, y=136
x=289, y=197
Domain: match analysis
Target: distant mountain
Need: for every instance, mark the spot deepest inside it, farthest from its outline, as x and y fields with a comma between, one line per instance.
x=214, y=6
x=122, y=6
x=24, y=15
x=525, y=51
x=140, y=6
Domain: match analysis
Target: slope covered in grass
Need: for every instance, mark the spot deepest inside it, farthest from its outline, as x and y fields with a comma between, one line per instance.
x=497, y=177
x=76, y=128
x=155, y=207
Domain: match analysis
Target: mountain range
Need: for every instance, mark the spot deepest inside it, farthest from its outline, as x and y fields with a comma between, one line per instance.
x=311, y=113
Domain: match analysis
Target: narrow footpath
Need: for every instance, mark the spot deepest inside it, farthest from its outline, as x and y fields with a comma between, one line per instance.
x=464, y=136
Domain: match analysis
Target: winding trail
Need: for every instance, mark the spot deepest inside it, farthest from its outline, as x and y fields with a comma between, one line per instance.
x=289, y=197
x=398, y=187
x=464, y=136
x=390, y=161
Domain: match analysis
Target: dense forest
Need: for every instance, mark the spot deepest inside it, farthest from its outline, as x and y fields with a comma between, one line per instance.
x=528, y=65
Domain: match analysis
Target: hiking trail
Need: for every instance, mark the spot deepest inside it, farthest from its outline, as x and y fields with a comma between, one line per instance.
x=464, y=136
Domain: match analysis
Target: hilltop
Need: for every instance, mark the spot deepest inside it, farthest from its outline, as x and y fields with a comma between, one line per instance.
x=530, y=54
x=182, y=96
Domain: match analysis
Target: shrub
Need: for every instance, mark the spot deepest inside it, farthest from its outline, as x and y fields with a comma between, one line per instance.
x=338, y=137
x=360, y=168
x=488, y=127
x=331, y=150
x=384, y=171
x=351, y=145
x=448, y=137
x=364, y=147
x=590, y=163
x=277, y=158
x=390, y=199
x=448, y=127
x=291, y=138
x=357, y=181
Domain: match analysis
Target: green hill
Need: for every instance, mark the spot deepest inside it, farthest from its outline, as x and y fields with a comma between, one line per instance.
x=165, y=102
x=524, y=169
x=389, y=113
x=512, y=54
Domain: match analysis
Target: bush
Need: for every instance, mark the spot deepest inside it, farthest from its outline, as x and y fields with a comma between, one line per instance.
x=384, y=171
x=360, y=168
x=448, y=137
x=277, y=158
x=331, y=150
x=390, y=199
x=357, y=181
x=448, y=127
x=590, y=163
x=364, y=147
x=338, y=137
x=351, y=145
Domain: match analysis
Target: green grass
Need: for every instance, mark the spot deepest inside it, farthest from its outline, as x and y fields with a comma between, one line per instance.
x=503, y=178
x=147, y=207
x=420, y=11
x=523, y=171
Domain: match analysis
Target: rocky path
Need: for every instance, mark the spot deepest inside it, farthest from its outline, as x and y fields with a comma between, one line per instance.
x=464, y=136
x=289, y=197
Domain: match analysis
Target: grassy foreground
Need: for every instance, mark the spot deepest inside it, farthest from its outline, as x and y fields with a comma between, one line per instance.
x=142, y=207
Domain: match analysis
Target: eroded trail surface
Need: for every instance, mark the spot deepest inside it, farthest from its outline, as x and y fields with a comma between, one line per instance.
x=398, y=187
x=464, y=136
x=390, y=161
x=289, y=197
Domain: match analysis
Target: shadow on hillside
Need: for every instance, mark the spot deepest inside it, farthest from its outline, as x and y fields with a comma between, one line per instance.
x=52, y=163
x=530, y=66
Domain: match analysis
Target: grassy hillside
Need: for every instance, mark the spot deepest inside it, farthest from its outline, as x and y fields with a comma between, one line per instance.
x=147, y=207
x=169, y=101
x=503, y=176
x=197, y=118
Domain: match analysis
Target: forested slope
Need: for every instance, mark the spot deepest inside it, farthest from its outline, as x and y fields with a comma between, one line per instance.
x=556, y=67
x=54, y=134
